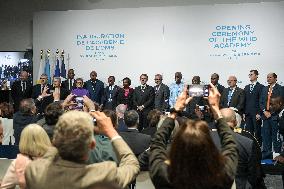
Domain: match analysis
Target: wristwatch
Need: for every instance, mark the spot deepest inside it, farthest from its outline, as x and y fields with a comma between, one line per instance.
x=173, y=110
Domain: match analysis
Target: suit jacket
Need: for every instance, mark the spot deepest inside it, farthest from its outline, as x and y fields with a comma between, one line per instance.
x=106, y=102
x=53, y=172
x=237, y=99
x=252, y=99
x=65, y=84
x=220, y=88
x=49, y=99
x=137, y=142
x=96, y=90
x=247, y=158
x=18, y=94
x=281, y=124
x=276, y=91
x=162, y=95
x=37, y=90
x=127, y=100
x=145, y=98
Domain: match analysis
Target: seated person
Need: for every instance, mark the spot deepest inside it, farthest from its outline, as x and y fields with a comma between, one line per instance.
x=79, y=90
x=34, y=142
x=73, y=139
x=138, y=142
x=153, y=119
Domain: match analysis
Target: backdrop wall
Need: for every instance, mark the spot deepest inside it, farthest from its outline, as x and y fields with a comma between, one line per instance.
x=196, y=40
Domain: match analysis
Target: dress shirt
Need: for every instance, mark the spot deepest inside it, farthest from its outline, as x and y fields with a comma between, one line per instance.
x=175, y=90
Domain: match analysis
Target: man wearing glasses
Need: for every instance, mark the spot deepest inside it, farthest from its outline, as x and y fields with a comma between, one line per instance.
x=233, y=97
x=162, y=94
x=252, y=110
x=175, y=89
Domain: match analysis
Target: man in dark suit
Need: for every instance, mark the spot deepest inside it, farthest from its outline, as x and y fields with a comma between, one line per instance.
x=162, y=94
x=38, y=88
x=270, y=132
x=277, y=106
x=233, y=97
x=109, y=97
x=56, y=88
x=95, y=87
x=21, y=89
x=246, y=171
x=215, y=82
x=69, y=83
x=252, y=109
x=143, y=101
x=138, y=142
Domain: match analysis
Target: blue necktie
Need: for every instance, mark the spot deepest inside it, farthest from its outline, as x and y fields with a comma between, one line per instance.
x=229, y=97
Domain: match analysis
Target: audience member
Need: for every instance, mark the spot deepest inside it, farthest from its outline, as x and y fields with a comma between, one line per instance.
x=21, y=89
x=69, y=83
x=162, y=94
x=269, y=127
x=104, y=150
x=248, y=161
x=252, y=109
x=192, y=151
x=138, y=142
x=120, y=110
x=51, y=115
x=215, y=82
x=34, y=143
x=1, y=133
x=277, y=106
x=233, y=97
x=143, y=101
x=73, y=138
x=109, y=95
x=153, y=120
x=95, y=87
x=125, y=94
x=25, y=116
x=6, y=114
x=175, y=89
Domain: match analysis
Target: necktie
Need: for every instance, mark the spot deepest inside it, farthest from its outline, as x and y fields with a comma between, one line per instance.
x=229, y=96
x=70, y=84
x=251, y=87
x=268, y=97
x=42, y=88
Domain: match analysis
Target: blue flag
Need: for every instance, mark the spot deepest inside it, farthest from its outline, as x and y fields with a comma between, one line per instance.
x=47, y=69
x=63, y=69
x=57, y=69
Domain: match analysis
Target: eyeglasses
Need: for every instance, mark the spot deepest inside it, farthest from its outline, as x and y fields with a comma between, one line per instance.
x=79, y=82
x=157, y=79
x=143, y=78
x=231, y=80
x=43, y=78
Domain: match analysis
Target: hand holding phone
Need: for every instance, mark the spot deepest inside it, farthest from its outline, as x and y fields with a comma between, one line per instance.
x=198, y=90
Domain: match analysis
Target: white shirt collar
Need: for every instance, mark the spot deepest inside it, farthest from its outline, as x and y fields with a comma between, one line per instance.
x=281, y=113
x=254, y=83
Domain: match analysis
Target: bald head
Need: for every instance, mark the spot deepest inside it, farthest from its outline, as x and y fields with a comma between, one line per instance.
x=230, y=116
x=232, y=81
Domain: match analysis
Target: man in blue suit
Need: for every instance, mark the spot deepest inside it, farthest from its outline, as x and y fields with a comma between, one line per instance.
x=252, y=110
x=95, y=87
x=270, y=131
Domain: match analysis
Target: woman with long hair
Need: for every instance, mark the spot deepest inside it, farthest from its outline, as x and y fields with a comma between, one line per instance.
x=34, y=142
x=194, y=161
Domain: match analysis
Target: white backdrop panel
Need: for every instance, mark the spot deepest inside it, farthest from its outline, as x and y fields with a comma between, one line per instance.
x=167, y=39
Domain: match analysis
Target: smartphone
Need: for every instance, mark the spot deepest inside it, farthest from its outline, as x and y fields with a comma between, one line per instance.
x=198, y=90
x=79, y=101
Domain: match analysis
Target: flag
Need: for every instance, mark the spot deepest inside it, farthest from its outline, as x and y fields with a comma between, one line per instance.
x=41, y=66
x=47, y=66
x=57, y=68
x=63, y=67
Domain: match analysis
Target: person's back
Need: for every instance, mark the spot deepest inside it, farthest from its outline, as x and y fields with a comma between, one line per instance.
x=64, y=167
x=23, y=117
x=138, y=142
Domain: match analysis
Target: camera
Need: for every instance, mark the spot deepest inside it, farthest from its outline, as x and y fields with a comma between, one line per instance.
x=198, y=90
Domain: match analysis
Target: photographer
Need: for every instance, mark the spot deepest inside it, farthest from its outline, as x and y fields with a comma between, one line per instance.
x=189, y=164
